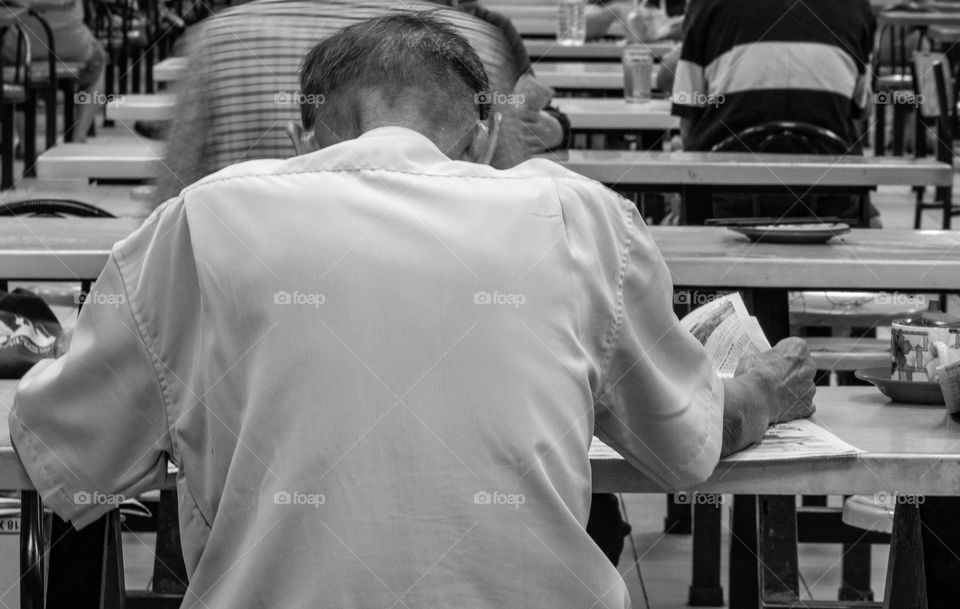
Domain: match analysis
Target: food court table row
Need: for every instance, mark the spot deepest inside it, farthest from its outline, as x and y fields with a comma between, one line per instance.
x=909, y=450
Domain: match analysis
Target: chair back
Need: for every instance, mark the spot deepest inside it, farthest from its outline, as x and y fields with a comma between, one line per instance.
x=936, y=103
x=243, y=80
x=785, y=137
x=925, y=67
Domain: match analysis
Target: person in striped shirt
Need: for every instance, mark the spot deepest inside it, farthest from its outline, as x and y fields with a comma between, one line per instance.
x=745, y=63
x=748, y=62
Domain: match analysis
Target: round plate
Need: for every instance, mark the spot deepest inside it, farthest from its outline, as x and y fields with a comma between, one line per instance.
x=908, y=392
x=792, y=233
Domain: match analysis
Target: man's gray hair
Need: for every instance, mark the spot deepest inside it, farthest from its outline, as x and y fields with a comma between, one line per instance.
x=403, y=53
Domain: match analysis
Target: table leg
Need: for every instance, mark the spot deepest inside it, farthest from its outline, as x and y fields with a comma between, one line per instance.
x=76, y=564
x=879, y=133
x=112, y=586
x=941, y=549
x=697, y=205
x=679, y=519
x=778, y=571
x=856, y=573
x=744, y=584
x=906, y=585
x=771, y=307
x=706, y=591
x=31, y=550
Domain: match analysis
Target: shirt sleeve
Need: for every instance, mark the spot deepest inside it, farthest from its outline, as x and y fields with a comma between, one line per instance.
x=661, y=404
x=657, y=400
x=690, y=87
x=92, y=427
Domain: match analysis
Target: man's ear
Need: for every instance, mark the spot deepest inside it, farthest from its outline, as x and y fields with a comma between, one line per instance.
x=484, y=142
x=303, y=140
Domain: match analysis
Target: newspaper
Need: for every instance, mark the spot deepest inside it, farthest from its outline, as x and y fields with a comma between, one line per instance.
x=801, y=439
x=728, y=333
x=795, y=440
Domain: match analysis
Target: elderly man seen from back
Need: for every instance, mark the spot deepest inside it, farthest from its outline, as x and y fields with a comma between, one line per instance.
x=379, y=366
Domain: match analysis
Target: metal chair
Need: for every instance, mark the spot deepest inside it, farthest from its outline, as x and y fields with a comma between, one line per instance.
x=13, y=92
x=937, y=112
x=786, y=137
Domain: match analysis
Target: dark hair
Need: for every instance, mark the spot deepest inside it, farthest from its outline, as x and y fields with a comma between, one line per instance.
x=398, y=52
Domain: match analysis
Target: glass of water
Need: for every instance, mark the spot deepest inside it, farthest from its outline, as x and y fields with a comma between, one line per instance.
x=571, y=22
x=637, y=73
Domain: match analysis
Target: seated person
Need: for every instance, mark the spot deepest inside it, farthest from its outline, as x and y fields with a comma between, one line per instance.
x=545, y=127
x=240, y=88
x=602, y=15
x=381, y=387
x=746, y=64
x=74, y=43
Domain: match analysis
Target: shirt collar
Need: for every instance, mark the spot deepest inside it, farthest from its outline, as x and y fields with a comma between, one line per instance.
x=397, y=131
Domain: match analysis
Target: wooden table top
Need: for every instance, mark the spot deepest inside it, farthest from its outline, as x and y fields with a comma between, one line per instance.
x=908, y=18
x=108, y=158
x=144, y=106
x=864, y=259
x=583, y=112
x=885, y=259
x=57, y=249
x=549, y=50
x=583, y=76
x=615, y=113
x=170, y=69
x=748, y=169
x=910, y=449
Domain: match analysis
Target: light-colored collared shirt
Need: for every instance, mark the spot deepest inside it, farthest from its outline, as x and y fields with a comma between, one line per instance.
x=379, y=372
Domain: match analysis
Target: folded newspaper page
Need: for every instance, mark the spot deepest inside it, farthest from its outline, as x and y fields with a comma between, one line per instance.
x=795, y=440
x=728, y=332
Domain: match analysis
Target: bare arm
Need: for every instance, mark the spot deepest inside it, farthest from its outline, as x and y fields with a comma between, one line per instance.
x=774, y=387
x=599, y=18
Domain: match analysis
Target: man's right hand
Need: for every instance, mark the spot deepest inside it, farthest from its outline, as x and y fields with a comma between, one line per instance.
x=772, y=387
x=783, y=379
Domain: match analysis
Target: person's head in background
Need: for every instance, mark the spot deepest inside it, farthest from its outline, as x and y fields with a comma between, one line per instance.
x=408, y=70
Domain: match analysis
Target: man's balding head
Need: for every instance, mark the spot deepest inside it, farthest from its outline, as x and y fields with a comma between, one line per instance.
x=409, y=69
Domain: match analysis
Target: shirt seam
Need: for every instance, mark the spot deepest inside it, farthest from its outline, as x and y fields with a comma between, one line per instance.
x=614, y=332
x=207, y=182
x=36, y=457
x=147, y=342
